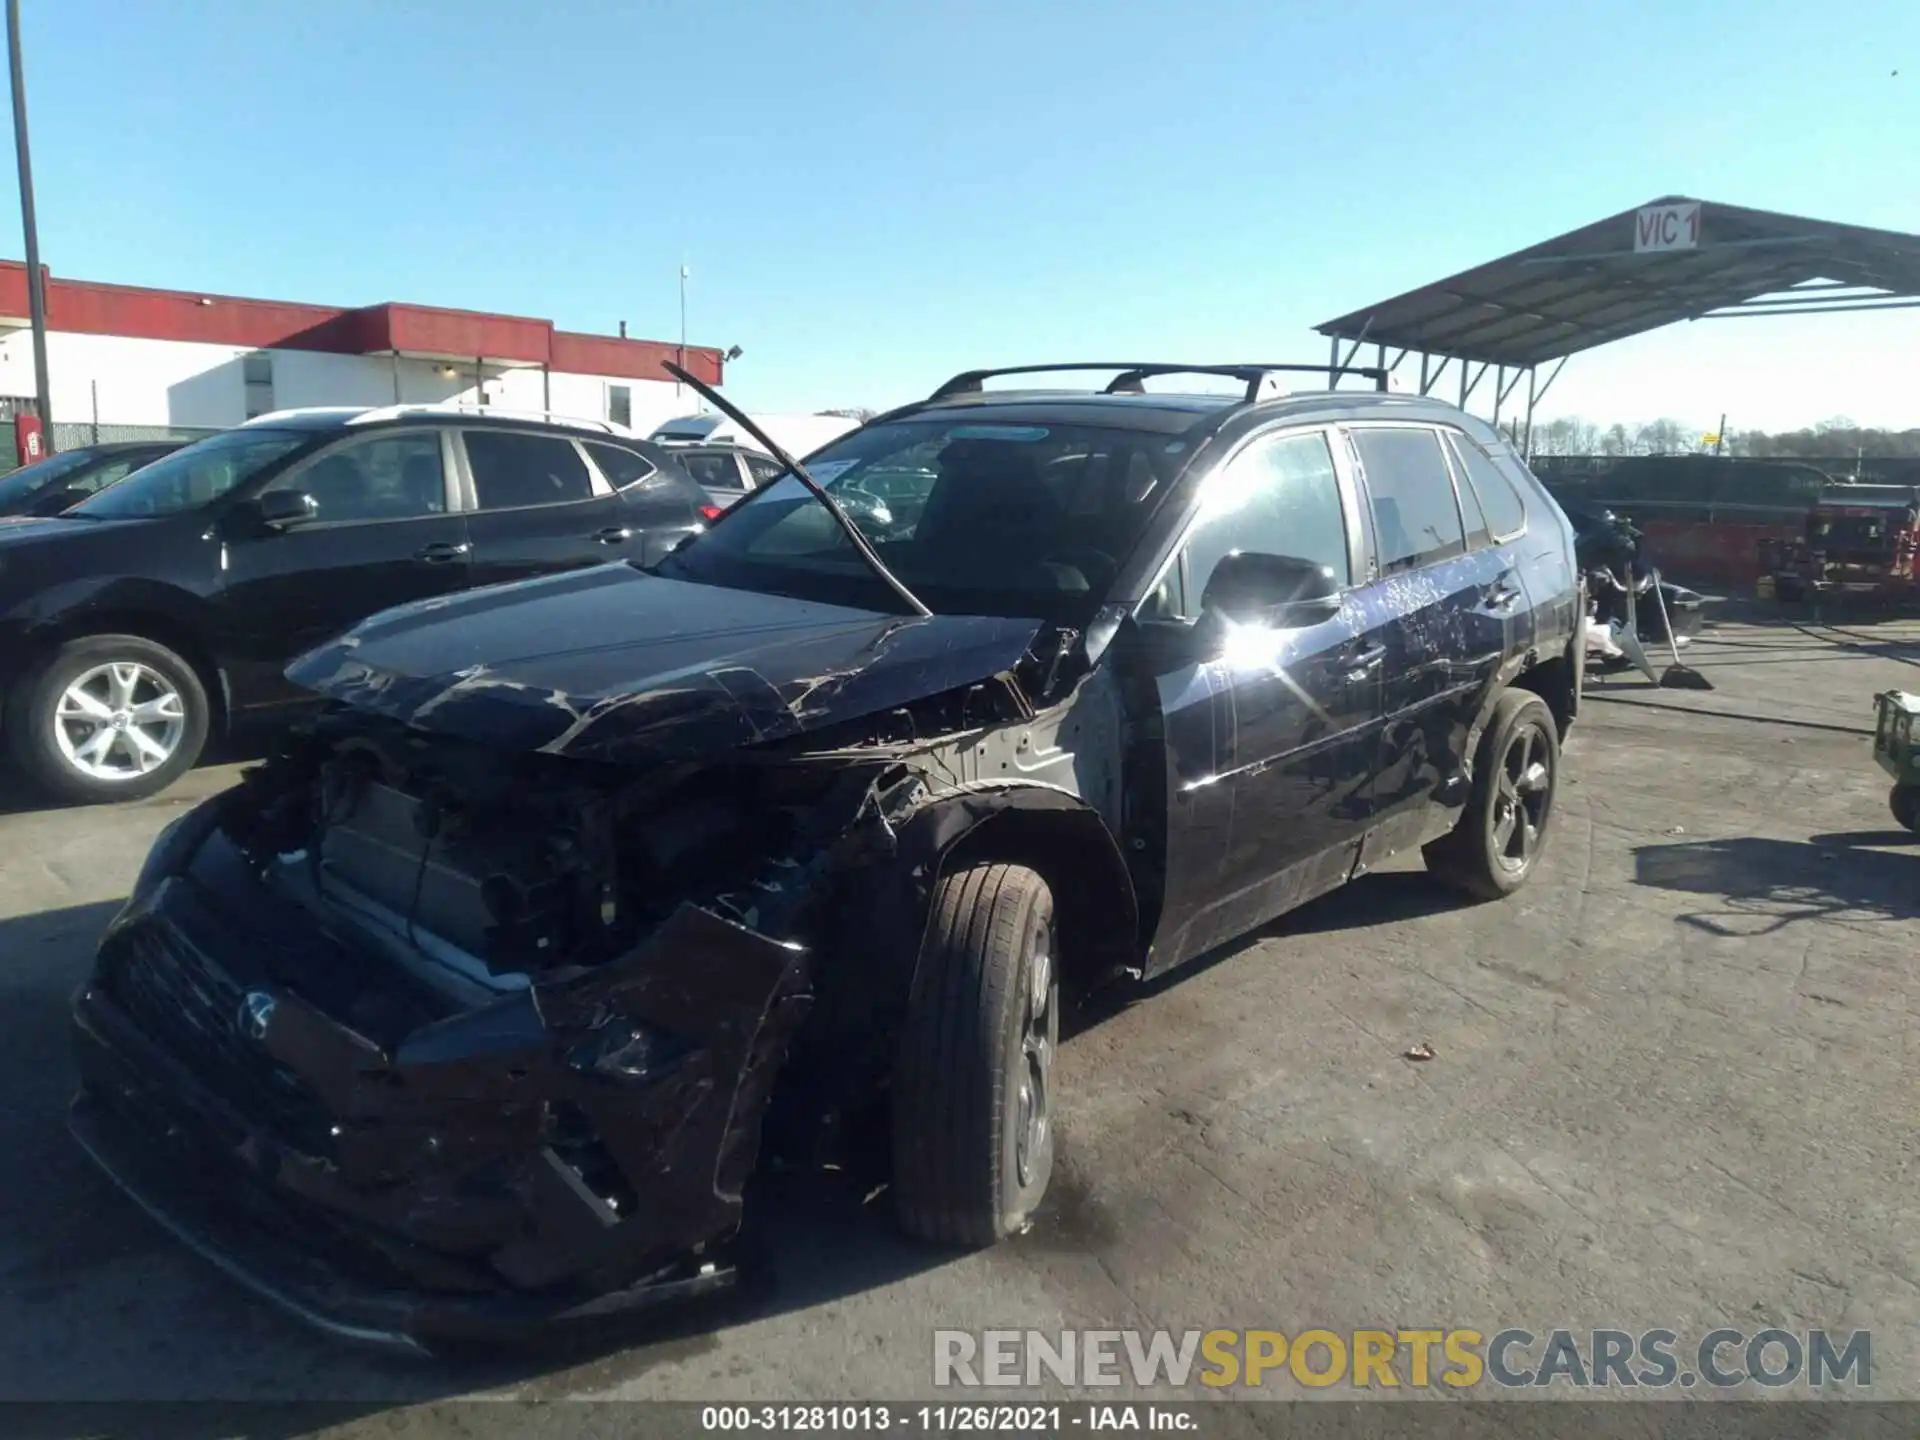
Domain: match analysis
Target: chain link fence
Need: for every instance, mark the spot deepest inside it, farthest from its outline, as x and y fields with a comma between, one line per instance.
x=73, y=434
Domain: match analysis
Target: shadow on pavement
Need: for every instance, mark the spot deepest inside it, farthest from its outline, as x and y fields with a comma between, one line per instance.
x=1380, y=899
x=1766, y=885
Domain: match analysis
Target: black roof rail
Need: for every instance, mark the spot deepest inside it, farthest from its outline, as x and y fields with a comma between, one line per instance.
x=1133, y=372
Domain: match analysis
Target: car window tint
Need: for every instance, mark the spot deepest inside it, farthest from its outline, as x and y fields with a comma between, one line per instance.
x=1470, y=511
x=1416, y=518
x=763, y=468
x=1506, y=512
x=91, y=481
x=1277, y=497
x=385, y=477
x=511, y=470
x=716, y=470
x=621, y=466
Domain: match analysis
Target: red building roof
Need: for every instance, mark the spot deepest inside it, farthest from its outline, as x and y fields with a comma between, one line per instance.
x=90, y=308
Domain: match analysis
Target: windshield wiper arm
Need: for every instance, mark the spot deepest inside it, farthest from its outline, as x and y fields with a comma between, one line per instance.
x=867, y=552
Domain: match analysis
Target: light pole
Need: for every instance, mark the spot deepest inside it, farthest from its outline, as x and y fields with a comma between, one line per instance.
x=36, y=289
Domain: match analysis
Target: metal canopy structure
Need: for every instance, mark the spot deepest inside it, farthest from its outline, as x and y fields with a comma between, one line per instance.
x=1669, y=260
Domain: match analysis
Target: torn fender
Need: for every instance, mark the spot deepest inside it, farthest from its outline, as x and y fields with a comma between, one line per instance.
x=1043, y=826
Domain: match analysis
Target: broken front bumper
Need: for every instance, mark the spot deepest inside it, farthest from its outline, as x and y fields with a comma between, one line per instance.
x=503, y=1171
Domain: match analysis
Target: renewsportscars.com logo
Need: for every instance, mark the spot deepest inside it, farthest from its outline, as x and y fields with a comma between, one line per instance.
x=1414, y=1359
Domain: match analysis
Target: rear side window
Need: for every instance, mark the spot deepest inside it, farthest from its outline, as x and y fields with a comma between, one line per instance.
x=621, y=466
x=511, y=471
x=1506, y=512
x=1416, y=516
x=764, y=468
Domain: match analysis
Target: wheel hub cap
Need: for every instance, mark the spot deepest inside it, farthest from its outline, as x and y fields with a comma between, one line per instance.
x=119, y=721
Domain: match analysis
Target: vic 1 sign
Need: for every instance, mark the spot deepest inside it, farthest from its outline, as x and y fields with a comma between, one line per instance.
x=1667, y=227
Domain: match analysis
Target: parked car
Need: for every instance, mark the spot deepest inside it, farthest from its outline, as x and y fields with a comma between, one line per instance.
x=798, y=435
x=164, y=609
x=62, y=481
x=726, y=472
x=469, y=1010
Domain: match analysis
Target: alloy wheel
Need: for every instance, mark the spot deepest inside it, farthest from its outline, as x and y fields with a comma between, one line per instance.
x=1523, y=793
x=1039, y=1036
x=119, y=721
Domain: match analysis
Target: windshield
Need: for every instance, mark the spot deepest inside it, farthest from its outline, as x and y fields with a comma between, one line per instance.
x=975, y=519
x=195, y=476
x=31, y=479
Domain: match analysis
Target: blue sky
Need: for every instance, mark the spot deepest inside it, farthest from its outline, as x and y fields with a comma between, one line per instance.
x=872, y=195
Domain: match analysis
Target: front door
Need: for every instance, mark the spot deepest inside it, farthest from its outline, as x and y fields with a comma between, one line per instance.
x=1291, y=714
x=386, y=532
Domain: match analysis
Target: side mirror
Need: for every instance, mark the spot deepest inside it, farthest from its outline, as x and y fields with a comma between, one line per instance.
x=283, y=509
x=1283, y=591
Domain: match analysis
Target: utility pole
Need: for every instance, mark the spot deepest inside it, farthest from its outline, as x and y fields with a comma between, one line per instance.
x=36, y=287
x=1720, y=433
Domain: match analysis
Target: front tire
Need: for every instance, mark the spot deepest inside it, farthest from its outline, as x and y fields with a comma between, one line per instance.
x=109, y=717
x=973, y=1135
x=1493, y=849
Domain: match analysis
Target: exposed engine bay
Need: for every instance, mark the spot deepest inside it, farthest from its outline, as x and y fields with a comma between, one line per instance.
x=509, y=1024
x=488, y=872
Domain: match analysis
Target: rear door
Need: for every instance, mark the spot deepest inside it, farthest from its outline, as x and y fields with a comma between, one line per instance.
x=660, y=502
x=1445, y=599
x=387, y=532
x=540, y=506
x=1492, y=503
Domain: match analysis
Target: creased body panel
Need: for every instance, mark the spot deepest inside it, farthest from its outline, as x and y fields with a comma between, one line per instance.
x=501, y=1167
x=674, y=670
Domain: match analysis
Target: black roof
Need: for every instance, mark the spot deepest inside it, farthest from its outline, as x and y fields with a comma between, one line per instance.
x=1590, y=286
x=1124, y=404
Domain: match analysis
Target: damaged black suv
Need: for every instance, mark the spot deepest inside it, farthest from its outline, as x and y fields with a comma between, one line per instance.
x=467, y=1011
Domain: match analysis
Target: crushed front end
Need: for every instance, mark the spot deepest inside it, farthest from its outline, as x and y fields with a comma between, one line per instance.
x=425, y=1041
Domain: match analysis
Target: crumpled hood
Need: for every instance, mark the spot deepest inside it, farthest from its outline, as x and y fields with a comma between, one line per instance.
x=615, y=664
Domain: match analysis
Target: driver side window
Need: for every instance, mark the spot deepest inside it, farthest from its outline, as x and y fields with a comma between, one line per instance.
x=1279, y=496
x=385, y=477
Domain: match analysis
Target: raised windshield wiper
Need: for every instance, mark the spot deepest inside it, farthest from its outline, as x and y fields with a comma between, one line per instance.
x=867, y=552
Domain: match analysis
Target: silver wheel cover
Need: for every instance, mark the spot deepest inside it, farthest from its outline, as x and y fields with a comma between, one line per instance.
x=119, y=721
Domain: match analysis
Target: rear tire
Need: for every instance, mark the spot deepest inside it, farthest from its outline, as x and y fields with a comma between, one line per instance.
x=972, y=1085
x=1500, y=836
x=109, y=717
x=1904, y=801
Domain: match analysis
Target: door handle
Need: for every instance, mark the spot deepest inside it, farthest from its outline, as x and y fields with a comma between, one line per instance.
x=614, y=535
x=1503, y=596
x=1363, y=661
x=442, y=551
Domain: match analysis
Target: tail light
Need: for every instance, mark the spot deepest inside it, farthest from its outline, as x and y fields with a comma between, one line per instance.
x=711, y=512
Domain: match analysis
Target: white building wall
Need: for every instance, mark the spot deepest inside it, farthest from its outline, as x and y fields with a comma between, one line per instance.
x=195, y=386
